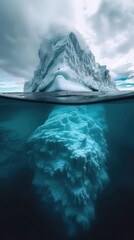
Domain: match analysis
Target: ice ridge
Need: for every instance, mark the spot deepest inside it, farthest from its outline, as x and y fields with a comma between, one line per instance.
x=66, y=63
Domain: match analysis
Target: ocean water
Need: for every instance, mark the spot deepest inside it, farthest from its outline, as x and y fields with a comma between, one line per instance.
x=66, y=167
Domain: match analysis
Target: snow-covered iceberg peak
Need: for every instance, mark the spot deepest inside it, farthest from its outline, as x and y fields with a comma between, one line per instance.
x=66, y=63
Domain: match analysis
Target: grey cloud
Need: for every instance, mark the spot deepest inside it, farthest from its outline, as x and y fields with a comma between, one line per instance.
x=128, y=44
x=22, y=26
x=126, y=70
x=112, y=20
x=24, y=23
x=17, y=53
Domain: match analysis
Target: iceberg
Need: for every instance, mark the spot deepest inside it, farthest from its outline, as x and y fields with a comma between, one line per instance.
x=67, y=64
x=68, y=154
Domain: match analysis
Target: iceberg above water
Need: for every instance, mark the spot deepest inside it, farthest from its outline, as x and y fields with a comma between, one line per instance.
x=68, y=154
x=66, y=63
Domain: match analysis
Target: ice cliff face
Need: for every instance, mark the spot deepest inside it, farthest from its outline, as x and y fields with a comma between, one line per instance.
x=68, y=153
x=67, y=64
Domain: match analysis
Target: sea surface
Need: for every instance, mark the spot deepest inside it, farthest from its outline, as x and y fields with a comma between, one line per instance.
x=26, y=213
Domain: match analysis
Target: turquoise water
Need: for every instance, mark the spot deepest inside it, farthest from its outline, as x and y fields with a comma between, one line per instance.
x=67, y=170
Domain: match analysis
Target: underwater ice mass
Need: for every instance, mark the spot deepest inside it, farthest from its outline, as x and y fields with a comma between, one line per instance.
x=68, y=152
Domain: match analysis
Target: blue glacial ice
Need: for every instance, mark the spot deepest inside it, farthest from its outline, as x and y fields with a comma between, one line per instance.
x=68, y=154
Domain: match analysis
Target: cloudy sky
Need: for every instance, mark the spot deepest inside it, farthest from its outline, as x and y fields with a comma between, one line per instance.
x=107, y=25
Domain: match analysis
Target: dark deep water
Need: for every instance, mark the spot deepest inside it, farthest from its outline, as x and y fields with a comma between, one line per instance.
x=22, y=213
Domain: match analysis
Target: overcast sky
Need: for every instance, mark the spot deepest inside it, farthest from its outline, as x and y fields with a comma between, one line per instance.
x=107, y=25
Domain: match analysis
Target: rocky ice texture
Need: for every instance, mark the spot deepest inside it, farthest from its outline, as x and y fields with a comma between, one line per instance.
x=68, y=154
x=66, y=63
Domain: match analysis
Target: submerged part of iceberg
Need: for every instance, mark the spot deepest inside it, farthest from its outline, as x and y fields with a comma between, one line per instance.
x=66, y=63
x=68, y=154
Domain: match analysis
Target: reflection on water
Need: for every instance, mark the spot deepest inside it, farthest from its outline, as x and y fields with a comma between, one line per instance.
x=66, y=172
